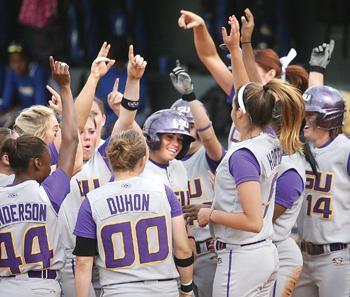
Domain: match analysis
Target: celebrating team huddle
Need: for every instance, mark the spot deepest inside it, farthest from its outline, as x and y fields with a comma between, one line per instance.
x=164, y=209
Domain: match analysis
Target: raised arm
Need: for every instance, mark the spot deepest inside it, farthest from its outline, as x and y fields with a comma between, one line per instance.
x=183, y=84
x=206, y=49
x=239, y=73
x=99, y=68
x=319, y=60
x=69, y=127
x=129, y=103
x=247, y=47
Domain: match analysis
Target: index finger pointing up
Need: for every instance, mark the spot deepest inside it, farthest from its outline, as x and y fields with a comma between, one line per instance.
x=131, y=52
x=116, y=84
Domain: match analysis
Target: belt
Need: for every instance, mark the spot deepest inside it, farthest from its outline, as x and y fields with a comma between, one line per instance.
x=319, y=249
x=222, y=245
x=45, y=274
x=203, y=246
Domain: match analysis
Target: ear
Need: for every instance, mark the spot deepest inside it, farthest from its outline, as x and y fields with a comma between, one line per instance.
x=5, y=160
x=271, y=74
x=37, y=164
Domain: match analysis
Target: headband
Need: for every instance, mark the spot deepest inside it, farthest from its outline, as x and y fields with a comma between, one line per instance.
x=240, y=98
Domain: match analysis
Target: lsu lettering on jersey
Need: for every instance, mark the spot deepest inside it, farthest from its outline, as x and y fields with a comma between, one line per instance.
x=29, y=233
x=94, y=174
x=174, y=175
x=267, y=151
x=200, y=190
x=325, y=214
x=284, y=223
x=134, y=231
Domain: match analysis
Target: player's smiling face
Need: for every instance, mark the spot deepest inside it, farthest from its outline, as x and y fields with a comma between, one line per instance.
x=311, y=132
x=171, y=145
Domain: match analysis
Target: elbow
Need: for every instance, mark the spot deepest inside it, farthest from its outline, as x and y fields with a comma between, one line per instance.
x=256, y=226
x=183, y=251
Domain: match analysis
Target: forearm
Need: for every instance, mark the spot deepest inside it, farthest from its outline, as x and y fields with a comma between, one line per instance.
x=186, y=274
x=249, y=62
x=208, y=55
x=83, y=277
x=239, y=220
x=239, y=73
x=69, y=125
x=83, y=102
x=316, y=79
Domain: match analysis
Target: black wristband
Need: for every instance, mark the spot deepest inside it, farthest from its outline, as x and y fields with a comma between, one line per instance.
x=186, y=288
x=184, y=262
x=318, y=69
x=189, y=97
x=129, y=104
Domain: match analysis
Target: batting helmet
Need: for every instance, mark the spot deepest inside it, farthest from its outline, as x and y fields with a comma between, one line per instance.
x=328, y=103
x=167, y=121
x=183, y=107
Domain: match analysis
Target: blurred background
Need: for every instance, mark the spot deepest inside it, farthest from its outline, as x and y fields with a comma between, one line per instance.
x=73, y=31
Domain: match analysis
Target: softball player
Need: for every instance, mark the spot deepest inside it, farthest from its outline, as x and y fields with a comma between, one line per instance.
x=324, y=218
x=29, y=234
x=95, y=173
x=6, y=173
x=204, y=155
x=135, y=228
x=168, y=137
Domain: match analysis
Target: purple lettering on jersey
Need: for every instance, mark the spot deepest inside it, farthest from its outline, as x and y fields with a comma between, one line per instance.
x=22, y=212
x=195, y=188
x=274, y=157
x=11, y=261
x=142, y=227
x=128, y=202
x=322, y=182
x=182, y=197
x=43, y=253
x=109, y=247
x=86, y=185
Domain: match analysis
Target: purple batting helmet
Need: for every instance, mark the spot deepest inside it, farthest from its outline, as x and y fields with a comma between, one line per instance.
x=328, y=103
x=183, y=107
x=167, y=121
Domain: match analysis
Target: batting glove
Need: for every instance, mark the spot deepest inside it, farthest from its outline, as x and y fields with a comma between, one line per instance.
x=182, y=82
x=321, y=56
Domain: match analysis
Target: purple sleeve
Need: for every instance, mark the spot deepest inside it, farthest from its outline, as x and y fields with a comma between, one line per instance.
x=289, y=187
x=349, y=165
x=214, y=164
x=57, y=186
x=85, y=226
x=244, y=167
x=229, y=98
x=103, y=147
x=174, y=202
x=53, y=153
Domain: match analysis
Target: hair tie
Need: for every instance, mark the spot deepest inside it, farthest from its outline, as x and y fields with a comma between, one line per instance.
x=240, y=97
x=265, y=88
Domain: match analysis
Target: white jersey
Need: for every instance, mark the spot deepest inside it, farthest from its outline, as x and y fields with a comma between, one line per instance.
x=285, y=222
x=94, y=174
x=325, y=214
x=29, y=233
x=267, y=152
x=6, y=180
x=200, y=190
x=174, y=175
x=134, y=231
x=233, y=136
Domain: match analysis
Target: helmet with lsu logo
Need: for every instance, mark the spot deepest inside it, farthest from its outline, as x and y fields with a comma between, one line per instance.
x=167, y=121
x=183, y=107
x=329, y=105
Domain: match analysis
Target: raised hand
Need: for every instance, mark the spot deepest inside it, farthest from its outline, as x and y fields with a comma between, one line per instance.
x=136, y=65
x=114, y=98
x=189, y=20
x=56, y=101
x=102, y=64
x=247, y=26
x=321, y=55
x=60, y=72
x=231, y=40
x=181, y=80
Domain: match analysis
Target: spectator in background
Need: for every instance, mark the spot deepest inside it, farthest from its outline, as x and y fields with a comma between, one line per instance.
x=24, y=81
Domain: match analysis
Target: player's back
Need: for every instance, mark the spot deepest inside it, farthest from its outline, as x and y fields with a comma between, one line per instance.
x=29, y=231
x=134, y=231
